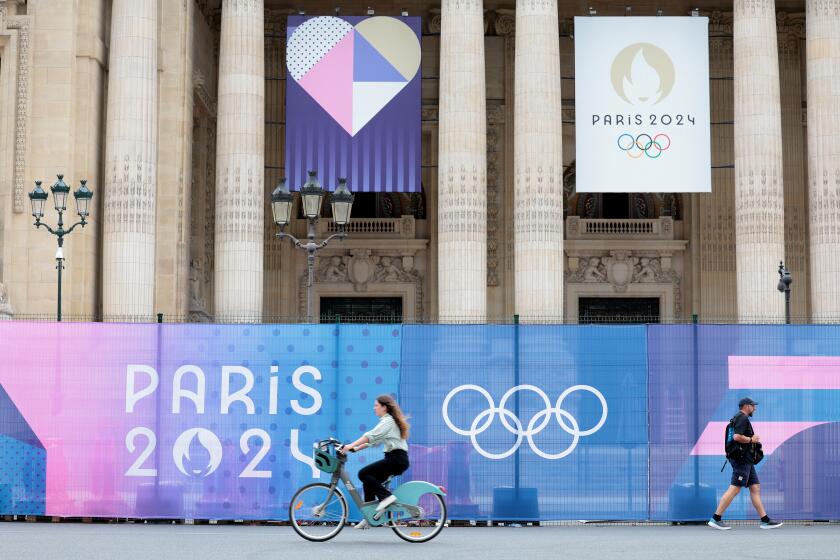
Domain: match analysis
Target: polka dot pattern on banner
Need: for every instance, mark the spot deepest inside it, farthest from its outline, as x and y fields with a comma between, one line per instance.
x=311, y=41
x=22, y=473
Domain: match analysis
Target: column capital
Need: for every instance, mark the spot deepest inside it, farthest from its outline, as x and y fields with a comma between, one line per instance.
x=720, y=22
x=791, y=23
x=791, y=30
x=505, y=23
x=276, y=21
x=434, y=21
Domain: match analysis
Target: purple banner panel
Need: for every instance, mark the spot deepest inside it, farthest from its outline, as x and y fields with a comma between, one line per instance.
x=353, y=102
x=697, y=375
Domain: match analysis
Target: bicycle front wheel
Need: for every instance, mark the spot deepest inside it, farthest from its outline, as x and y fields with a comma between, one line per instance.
x=315, y=514
x=424, y=528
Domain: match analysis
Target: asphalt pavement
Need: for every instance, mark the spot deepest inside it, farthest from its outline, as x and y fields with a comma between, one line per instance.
x=60, y=541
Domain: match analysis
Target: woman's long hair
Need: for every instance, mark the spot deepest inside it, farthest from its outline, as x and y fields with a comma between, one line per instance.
x=396, y=413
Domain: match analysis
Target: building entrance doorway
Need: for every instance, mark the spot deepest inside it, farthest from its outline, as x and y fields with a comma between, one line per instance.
x=618, y=310
x=361, y=309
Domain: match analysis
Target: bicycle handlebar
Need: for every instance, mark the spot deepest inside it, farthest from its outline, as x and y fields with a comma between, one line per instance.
x=324, y=443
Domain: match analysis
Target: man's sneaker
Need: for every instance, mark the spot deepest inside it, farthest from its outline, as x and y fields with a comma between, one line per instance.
x=386, y=502
x=719, y=525
x=771, y=524
x=362, y=525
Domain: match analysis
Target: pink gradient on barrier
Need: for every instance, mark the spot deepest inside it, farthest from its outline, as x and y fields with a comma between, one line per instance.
x=773, y=434
x=69, y=379
x=784, y=372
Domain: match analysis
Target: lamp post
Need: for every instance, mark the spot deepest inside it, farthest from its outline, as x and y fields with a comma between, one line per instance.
x=311, y=195
x=785, y=280
x=60, y=190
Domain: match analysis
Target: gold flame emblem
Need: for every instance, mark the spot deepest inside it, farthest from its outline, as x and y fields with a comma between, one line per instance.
x=642, y=74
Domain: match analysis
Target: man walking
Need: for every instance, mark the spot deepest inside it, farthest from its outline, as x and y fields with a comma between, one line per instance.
x=743, y=469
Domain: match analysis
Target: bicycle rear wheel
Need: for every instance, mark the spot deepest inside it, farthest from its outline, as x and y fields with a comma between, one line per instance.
x=313, y=516
x=423, y=528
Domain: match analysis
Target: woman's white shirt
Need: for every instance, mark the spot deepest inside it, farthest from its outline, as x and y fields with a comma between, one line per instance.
x=387, y=433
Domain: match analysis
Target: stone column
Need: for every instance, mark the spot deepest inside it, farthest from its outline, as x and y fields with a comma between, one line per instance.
x=713, y=231
x=240, y=141
x=822, y=21
x=538, y=163
x=462, y=164
x=759, y=189
x=131, y=161
x=791, y=32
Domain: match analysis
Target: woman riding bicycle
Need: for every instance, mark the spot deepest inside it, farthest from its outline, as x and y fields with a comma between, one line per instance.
x=392, y=433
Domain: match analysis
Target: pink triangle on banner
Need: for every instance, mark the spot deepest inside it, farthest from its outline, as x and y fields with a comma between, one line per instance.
x=330, y=82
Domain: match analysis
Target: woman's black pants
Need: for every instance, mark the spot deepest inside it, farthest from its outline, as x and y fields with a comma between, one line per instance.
x=373, y=475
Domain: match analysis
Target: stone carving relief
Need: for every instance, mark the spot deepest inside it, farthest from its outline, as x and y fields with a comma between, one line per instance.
x=197, y=301
x=364, y=269
x=592, y=270
x=621, y=268
x=6, y=311
x=333, y=270
x=21, y=24
x=434, y=21
x=495, y=135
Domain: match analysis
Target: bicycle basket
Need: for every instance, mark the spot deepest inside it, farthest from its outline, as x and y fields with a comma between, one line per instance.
x=325, y=461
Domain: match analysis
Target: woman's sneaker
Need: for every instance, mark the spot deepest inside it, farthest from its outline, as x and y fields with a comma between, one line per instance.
x=385, y=503
x=362, y=525
x=719, y=525
x=771, y=524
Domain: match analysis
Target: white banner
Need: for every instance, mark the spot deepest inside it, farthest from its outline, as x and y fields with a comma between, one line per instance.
x=642, y=104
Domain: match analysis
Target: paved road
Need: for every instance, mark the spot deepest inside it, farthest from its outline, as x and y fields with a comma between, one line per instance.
x=46, y=541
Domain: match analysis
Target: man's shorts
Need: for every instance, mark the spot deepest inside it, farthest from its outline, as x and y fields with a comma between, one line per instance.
x=743, y=474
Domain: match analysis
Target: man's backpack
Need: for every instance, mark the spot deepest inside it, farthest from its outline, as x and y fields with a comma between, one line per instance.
x=731, y=447
x=736, y=451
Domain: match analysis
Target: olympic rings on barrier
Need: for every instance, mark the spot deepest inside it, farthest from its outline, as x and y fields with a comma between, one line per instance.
x=643, y=144
x=537, y=424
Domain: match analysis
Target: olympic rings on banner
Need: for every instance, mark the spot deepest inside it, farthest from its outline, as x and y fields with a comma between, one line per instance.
x=643, y=144
x=537, y=424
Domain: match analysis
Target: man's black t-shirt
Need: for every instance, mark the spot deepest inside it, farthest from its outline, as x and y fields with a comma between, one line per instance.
x=743, y=426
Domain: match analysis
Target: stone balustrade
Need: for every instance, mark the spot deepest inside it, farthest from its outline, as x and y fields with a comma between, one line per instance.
x=580, y=228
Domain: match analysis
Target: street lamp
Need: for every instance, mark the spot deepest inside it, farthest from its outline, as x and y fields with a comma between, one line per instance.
x=38, y=198
x=785, y=280
x=312, y=195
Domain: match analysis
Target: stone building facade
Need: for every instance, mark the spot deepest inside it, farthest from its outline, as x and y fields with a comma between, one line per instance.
x=173, y=110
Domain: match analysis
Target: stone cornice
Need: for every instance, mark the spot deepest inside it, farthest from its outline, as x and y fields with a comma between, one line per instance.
x=578, y=247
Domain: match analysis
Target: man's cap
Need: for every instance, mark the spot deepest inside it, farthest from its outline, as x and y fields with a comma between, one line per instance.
x=746, y=400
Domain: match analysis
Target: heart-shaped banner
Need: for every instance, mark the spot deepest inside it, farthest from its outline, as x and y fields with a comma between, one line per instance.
x=353, y=72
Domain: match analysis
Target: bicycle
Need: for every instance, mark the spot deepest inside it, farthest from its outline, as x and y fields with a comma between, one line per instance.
x=318, y=511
